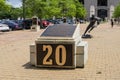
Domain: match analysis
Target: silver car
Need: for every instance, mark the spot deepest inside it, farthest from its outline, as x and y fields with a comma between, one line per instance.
x=4, y=27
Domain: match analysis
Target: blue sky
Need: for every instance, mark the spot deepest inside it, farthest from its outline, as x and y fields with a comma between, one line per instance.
x=15, y=3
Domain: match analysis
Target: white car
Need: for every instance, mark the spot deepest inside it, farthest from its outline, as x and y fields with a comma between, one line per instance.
x=4, y=27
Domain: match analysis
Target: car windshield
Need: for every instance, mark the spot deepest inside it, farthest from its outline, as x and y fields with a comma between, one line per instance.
x=10, y=22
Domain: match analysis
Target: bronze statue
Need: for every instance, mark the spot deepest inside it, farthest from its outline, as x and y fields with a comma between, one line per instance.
x=91, y=26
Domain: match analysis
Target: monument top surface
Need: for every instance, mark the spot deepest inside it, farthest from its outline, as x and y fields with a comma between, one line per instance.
x=59, y=30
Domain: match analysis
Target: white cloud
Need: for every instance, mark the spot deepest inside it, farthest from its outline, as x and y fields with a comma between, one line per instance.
x=15, y=3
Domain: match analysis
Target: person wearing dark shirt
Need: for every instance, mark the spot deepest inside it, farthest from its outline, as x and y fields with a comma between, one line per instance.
x=112, y=23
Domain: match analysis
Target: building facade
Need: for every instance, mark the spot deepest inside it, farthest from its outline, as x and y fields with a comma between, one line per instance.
x=100, y=8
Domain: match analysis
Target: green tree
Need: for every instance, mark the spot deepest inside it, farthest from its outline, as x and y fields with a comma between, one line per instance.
x=4, y=6
x=68, y=8
x=80, y=10
x=4, y=9
x=50, y=8
x=116, y=13
x=16, y=12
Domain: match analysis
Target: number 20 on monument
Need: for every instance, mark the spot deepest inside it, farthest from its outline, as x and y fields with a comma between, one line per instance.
x=55, y=54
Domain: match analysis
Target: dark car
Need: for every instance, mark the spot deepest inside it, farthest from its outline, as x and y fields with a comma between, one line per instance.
x=70, y=21
x=53, y=21
x=12, y=25
x=19, y=22
x=27, y=23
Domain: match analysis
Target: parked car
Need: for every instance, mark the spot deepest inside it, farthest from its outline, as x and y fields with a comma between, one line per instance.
x=4, y=27
x=26, y=23
x=45, y=23
x=70, y=21
x=12, y=25
x=19, y=22
x=53, y=21
x=60, y=20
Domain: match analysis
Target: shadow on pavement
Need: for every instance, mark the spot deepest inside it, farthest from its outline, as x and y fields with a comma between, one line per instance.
x=29, y=66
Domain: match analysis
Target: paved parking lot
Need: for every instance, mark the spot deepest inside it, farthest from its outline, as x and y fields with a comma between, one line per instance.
x=103, y=61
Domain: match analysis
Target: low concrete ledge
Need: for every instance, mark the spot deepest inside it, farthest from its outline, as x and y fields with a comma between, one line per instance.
x=32, y=54
x=81, y=54
x=82, y=48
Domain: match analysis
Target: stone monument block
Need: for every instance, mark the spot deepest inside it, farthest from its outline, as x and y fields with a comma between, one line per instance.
x=35, y=26
x=59, y=46
x=81, y=54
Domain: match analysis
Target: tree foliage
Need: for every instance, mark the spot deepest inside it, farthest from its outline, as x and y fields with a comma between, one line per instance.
x=15, y=13
x=58, y=8
x=80, y=10
x=44, y=9
x=116, y=13
x=67, y=7
x=4, y=6
x=4, y=9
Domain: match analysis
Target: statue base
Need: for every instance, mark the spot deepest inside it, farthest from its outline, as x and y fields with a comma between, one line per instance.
x=35, y=28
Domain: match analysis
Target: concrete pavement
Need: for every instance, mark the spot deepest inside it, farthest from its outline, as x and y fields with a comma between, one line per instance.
x=103, y=57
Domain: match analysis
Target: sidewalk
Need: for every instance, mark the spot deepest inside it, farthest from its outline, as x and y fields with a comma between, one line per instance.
x=103, y=59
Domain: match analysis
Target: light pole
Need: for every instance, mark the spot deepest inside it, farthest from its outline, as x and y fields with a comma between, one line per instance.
x=23, y=4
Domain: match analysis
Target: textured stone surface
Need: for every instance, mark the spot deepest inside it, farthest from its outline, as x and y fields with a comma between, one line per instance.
x=35, y=28
x=32, y=54
x=60, y=30
x=82, y=48
x=103, y=62
x=81, y=54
